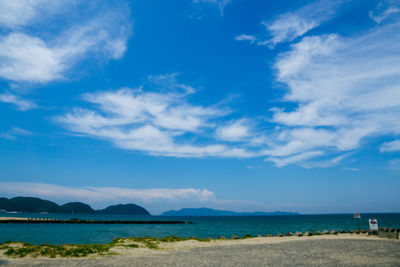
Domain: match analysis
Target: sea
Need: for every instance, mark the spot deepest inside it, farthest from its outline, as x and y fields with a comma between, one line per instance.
x=202, y=227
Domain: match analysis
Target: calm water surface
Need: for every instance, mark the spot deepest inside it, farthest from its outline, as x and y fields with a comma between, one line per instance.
x=202, y=227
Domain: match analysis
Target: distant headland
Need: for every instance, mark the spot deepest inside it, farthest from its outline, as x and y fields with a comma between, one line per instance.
x=212, y=212
x=37, y=205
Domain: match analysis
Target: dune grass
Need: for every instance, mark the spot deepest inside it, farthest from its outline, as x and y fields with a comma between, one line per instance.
x=21, y=249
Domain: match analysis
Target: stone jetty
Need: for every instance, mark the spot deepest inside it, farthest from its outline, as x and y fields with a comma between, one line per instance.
x=82, y=221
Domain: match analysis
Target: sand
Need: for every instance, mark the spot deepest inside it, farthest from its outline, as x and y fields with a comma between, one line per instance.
x=329, y=250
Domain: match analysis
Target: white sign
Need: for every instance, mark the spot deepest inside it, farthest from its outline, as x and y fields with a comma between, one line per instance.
x=373, y=224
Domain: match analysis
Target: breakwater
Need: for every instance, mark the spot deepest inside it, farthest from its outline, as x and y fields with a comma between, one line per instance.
x=202, y=227
x=81, y=221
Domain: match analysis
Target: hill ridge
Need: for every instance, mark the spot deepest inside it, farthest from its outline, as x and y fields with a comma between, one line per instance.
x=37, y=205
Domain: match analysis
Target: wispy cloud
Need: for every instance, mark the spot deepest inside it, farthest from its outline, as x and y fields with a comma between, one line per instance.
x=7, y=136
x=291, y=25
x=19, y=102
x=169, y=82
x=15, y=14
x=39, y=57
x=346, y=89
x=25, y=58
x=299, y=158
x=326, y=163
x=390, y=146
x=221, y=4
x=158, y=123
x=386, y=10
x=14, y=132
x=236, y=130
x=246, y=37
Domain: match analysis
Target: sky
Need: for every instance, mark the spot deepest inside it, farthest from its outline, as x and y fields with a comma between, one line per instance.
x=244, y=105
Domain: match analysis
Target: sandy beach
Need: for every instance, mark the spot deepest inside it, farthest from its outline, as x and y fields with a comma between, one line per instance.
x=331, y=250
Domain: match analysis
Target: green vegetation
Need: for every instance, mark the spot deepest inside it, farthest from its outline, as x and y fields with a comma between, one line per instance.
x=153, y=242
x=20, y=249
x=127, y=209
x=33, y=204
x=78, y=208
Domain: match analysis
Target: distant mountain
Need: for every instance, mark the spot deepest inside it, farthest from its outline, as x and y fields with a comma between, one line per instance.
x=36, y=205
x=78, y=208
x=6, y=204
x=211, y=212
x=30, y=204
x=127, y=209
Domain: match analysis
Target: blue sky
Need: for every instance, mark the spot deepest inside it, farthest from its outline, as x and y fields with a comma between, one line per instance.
x=227, y=104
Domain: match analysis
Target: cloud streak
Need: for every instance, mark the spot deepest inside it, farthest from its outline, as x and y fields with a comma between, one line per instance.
x=157, y=123
x=346, y=89
x=386, y=10
x=291, y=25
x=29, y=58
x=390, y=146
x=20, y=103
x=221, y=4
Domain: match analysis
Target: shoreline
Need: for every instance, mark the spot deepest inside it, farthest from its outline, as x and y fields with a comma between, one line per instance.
x=136, y=246
x=342, y=249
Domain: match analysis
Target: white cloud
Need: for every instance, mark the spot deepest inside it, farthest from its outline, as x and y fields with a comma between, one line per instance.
x=291, y=25
x=237, y=130
x=346, y=89
x=15, y=13
x=326, y=163
x=7, y=136
x=14, y=132
x=21, y=12
x=26, y=58
x=20, y=103
x=390, y=146
x=162, y=123
x=156, y=200
x=29, y=57
x=287, y=27
x=302, y=53
x=168, y=81
x=219, y=3
x=299, y=158
x=386, y=10
x=20, y=131
x=246, y=37
x=292, y=141
x=103, y=194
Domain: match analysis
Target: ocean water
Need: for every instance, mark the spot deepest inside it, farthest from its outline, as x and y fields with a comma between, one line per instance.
x=202, y=227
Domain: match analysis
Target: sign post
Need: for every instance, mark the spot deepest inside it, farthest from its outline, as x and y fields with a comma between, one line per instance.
x=373, y=226
x=357, y=216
